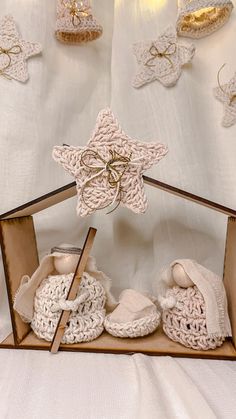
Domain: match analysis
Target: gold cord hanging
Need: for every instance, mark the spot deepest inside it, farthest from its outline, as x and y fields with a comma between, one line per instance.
x=77, y=13
x=112, y=168
x=231, y=97
x=155, y=53
x=14, y=50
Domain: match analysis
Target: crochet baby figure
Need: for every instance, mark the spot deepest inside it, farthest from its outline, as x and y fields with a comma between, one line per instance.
x=136, y=315
x=41, y=298
x=194, y=306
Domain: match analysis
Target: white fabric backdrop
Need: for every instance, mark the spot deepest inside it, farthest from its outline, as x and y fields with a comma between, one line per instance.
x=67, y=88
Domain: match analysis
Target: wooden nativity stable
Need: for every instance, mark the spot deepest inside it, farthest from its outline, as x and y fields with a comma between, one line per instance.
x=20, y=257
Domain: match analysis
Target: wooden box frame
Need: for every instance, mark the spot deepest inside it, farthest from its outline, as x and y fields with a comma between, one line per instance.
x=20, y=257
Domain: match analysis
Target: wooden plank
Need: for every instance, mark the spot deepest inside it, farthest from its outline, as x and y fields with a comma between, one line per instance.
x=155, y=344
x=42, y=203
x=230, y=273
x=20, y=257
x=189, y=196
x=73, y=289
x=8, y=342
x=69, y=191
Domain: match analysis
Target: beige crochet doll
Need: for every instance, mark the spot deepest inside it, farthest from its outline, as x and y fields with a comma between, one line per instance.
x=194, y=306
x=41, y=298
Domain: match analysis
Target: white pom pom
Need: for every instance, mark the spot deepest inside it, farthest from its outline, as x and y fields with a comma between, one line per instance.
x=167, y=303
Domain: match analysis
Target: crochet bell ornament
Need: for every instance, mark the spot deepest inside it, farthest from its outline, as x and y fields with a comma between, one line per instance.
x=136, y=315
x=41, y=298
x=75, y=23
x=198, y=18
x=195, y=310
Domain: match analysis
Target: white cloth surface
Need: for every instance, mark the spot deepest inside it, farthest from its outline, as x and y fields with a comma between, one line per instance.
x=37, y=385
x=68, y=86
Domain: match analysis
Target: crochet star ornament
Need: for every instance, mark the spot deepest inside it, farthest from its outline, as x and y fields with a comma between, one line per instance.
x=161, y=59
x=14, y=51
x=109, y=169
x=227, y=95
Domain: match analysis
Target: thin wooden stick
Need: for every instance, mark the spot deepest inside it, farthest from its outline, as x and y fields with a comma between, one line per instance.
x=62, y=323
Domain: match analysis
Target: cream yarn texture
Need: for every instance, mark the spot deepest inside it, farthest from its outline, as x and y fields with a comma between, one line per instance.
x=109, y=169
x=14, y=51
x=75, y=23
x=186, y=321
x=198, y=18
x=87, y=318
x=161, y=59
x=135, y=316
x=227, y=95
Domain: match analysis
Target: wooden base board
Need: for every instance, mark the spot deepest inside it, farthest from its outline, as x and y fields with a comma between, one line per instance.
x=156, y=344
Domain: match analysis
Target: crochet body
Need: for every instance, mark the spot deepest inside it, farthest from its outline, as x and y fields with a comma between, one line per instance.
x=186, y=322
x=87, y=316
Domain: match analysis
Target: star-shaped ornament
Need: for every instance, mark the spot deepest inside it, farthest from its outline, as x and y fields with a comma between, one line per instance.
x=161, y=59
x=108, y=171
x=14, y=51
x=226, y=93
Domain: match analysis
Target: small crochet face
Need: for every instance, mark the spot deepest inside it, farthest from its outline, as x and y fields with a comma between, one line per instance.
x=65, y=263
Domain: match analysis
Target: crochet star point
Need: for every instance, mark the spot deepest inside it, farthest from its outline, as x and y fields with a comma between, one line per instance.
x=14, y=51
x=227, y=95
x=109, y=169
x=161, y=59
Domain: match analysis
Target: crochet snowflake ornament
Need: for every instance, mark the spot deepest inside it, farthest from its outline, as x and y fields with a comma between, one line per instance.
x=14, y=51
x=227, y=95
x=109, y=169
x=161, y=59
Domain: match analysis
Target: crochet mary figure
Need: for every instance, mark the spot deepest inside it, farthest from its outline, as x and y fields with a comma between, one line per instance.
x=41, y=298
x=194, y=304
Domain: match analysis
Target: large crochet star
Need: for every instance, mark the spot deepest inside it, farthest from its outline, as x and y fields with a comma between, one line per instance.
x=161, y=59
x=108, y=171
x=227, y=95
x=14, y=51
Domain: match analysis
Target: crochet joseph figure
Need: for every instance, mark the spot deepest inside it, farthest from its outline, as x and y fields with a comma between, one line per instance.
x=198, y=18
x=41, y=298
x=108, y=171
x=195, y=310
x=75, y=23
x=161, y=59
x=136, y=315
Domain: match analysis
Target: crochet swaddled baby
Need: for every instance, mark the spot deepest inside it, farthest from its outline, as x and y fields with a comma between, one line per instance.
x=41, y=298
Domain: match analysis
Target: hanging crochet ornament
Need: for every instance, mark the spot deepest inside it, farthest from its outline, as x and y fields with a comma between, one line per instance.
x=136, y=315
x=226, y=93
x=198, y=18
x=195, y=311
x=109, y=169
x=14, y=51
x=75, y=23
x=161, y=59
x=41, y=299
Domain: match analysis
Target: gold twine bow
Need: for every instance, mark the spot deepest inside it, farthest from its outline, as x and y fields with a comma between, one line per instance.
x=231, y=97
x=115, y=169
x=155, y=53
x=77, y=12
x=14, y=50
